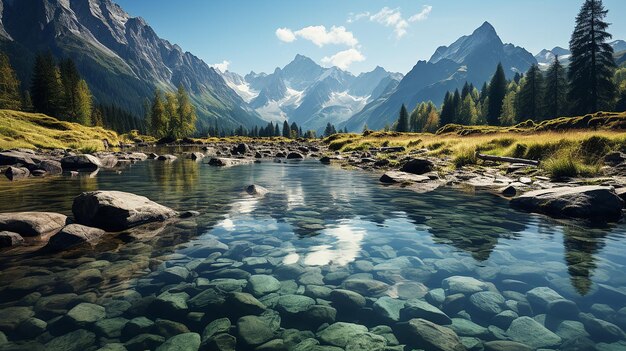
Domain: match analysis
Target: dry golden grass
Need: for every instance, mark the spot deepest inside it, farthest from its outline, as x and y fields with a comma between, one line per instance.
x=31, y=130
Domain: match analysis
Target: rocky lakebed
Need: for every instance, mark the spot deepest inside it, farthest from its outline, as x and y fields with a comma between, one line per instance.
x=288, y=246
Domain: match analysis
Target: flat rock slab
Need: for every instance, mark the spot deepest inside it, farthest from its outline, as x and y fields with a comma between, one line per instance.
x=590, y=202
x=393, y=177
x=229, y=162
x=32, y=223
x=81, y=163
x=116, y=210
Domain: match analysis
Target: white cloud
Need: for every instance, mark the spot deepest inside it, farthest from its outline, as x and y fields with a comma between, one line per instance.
x=319, y=35
x=352, y=17
x=343, y=59
x=285, y=34
x=222, y=66
x=422, y=15
x=391, y=18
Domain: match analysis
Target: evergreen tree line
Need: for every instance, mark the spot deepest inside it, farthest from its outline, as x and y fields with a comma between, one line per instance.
x=58, y=90
x=290, y=131
x=171, y=115
x=591, y=83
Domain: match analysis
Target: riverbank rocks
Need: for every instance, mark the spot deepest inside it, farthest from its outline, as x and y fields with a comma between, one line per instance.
x=83, y=162
x=29, y=224
x=229, y=162
x=341, y=333
x=74, y=235
x=116, y=210
x=181, y=342
x=418, y=166
x=393, y=177
x=16, y=173
x=592, y=201
x=427, y=335
x=295, y=156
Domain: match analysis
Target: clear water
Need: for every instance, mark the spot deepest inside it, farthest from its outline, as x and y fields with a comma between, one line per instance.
x=333, y=224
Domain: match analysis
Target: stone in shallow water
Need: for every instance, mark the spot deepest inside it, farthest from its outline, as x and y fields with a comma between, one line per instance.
x=367, y=287
x=341, y=333
x=144, y=342
x=426, y=335
x=464, y=327
x=569, y=330
x=261, y=284
x=346, y=299
x=505, y=345
x=487, y=302
x=245, y=303
x=77, y=340
x=208, y=298
x=220, y=342
x=528, y=331
x=175, y=274
x=367, y=342
x=563, y=309
x=464, y=285
x=504, y=319
x=221, y=325
x=416, y=308
x=256, y=330
x=540, y=297
x=110, y=328
x=11, y=317
x=10, y=239
x=73, y=235
x=601, y=330
x=293, y=304
x=181, y=342
x=86, y=313
x=172, y=302
x=316, y=315
x=167, y=328
x=388, y=308
x=32, y=327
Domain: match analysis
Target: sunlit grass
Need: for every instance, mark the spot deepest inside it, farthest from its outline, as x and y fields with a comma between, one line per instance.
x=30, y=130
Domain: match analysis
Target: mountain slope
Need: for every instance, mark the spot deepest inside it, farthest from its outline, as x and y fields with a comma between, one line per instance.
x=121, y=57
x=472, y=58
x=309, y=94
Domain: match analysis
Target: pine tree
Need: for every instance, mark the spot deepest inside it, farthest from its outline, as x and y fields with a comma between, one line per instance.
x=329, y=130
x=465, y=91
x=403, y=120
x=456, y=106
x=468, y=113
x=509, y=106
x=286, y=133
x=185, y=113
x=27, y=102
x=497, y=90
x=158, y=121
x=294, y=131
x=83, y=103
x=70, y=79
x=432, y=122
x=46, y=88
x=530, y=95
x=447, y=110
x=365, y=128
x=276, y=130
x=555, y=98
x=484, y=93
x=591, y=64
x=9, y=86
x=97, y=119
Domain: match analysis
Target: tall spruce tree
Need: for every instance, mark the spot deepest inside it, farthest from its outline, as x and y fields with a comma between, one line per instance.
x=530, y=96
x=447, y=110
x=186, y=114
x=591, y=64
x=286, y=132
x=497, y=91
x=456, y=106
x=403, y=120
x=46, y=89
x=158, y=121
x=10, y=97
x=555, y=98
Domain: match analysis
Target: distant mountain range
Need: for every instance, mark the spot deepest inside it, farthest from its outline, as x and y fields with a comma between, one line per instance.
x=309, y=94
x=546, y=57
x=121, y=57
x=472, y=58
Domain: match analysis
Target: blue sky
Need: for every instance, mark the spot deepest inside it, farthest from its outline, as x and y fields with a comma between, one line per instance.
x=356, y=35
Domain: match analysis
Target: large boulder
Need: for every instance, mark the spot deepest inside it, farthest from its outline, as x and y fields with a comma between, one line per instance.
x=116, y=210
x=32, y=223
x=13, y=157
x=418, y=166
x=592, y=201
x=81, y=163
x=74, y=235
